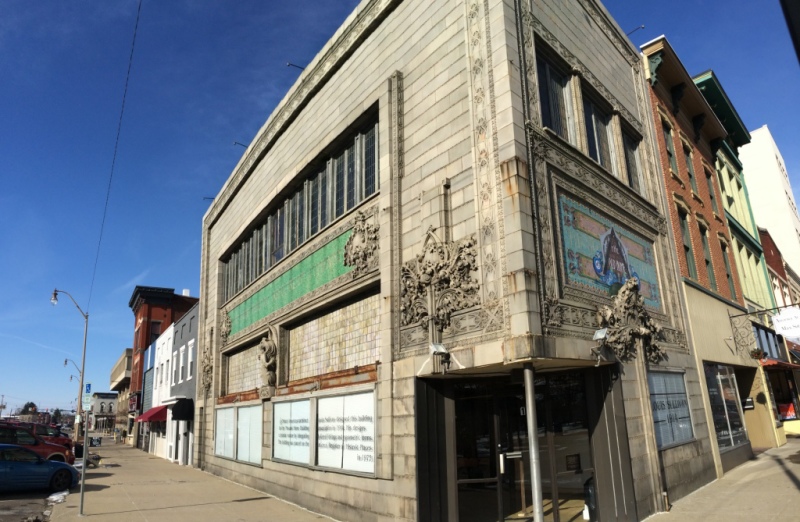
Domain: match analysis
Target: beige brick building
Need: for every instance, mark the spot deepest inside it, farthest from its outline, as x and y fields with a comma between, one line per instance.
x=401, y=278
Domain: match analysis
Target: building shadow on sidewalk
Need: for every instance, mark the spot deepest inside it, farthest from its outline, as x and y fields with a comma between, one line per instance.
x=789, y=473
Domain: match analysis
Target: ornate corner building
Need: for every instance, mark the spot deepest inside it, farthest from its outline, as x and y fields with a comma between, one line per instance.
x=447, y=251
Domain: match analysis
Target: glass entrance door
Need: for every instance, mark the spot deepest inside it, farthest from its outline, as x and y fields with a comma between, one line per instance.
x=564, y=446
x=492, y=453
x=493, y=463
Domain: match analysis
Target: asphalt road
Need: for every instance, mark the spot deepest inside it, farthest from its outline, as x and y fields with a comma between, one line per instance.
x=24, y=506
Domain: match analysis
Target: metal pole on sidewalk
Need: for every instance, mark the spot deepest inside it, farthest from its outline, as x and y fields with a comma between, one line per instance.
x=533, y=446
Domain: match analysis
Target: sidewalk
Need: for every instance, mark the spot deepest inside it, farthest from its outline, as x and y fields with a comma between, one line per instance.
x=131, y=485
x=765, y=488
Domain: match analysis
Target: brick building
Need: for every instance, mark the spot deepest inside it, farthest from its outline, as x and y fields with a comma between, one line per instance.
x=695, y=149
x=154, y=309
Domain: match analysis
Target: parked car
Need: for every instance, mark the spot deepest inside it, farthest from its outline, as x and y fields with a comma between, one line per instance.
x=22, y=436
x=21, y=468
x=49, y=434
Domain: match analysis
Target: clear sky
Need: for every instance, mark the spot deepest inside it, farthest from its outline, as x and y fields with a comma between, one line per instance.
x=206, y=74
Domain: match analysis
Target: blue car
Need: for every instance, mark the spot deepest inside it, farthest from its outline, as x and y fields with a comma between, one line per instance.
x=20, y=469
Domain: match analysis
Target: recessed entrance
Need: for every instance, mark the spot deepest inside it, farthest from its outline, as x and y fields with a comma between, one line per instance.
x=493, y=460
x=473, y=455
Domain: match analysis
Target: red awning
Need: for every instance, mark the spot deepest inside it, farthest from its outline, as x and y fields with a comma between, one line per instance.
x=774, y=364
x=157, y=414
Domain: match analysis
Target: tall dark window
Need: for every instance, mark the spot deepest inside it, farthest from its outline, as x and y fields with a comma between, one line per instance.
x=688, y=254
x=553, y=97
x=711, y=192
x=668, y=142
x=339, y=180
x=712, y=280
x=631, y=160
x=728, y=274
x=687, y=154
x=597, y=133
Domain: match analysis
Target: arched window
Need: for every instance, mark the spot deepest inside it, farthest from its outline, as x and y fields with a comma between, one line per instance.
x=110, y=407
x=102, y=407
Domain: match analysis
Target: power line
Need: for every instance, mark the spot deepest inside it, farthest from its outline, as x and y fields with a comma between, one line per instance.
x=114, y=158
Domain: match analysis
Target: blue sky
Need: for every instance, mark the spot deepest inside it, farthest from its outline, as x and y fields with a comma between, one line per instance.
x=206, y=74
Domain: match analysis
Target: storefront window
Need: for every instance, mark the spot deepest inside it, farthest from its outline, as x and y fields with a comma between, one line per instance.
x=671, y=417
x=726, y=410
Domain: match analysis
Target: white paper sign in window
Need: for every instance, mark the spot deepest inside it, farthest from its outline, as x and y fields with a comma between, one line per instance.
x=223, y=435
x=291, y=433
x=346, y=432
x=671, y=417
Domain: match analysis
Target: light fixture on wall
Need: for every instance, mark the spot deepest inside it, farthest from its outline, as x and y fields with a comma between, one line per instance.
x=439, y=350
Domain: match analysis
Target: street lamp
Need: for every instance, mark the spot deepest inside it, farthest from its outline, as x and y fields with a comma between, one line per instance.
x=85, y=315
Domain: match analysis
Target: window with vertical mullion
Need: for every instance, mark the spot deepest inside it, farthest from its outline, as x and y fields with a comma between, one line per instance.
x=339, y=186
x=707, y=255
x=313, y=190
x=687, y=154
x=631, y=160
x=277, y=235
x=324, y=197
x=711, y=193
x=597, y=127
x=553, y=97
x=350, y=155
x=301, y=215
x=670, y=146
x=370, y=158
x=687, y=244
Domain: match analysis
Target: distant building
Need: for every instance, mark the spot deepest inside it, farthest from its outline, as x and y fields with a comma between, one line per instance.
x=182, y=389
x=103, y=411
x=154, y=309
x=120, y=382
x=771, y=194
x=695, y=149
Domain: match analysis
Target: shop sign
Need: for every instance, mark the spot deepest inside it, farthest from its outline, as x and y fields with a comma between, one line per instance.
x=787, y=322
x=133, y=402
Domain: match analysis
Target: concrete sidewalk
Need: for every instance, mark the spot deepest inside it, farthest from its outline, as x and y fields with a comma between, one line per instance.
x=765, y=488
x=131, y=485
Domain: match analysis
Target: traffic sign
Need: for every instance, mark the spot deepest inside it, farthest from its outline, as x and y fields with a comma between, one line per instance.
x=87, y=396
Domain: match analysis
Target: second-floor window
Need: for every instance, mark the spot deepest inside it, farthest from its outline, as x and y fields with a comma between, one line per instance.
x=553, y=98
x=597, y=133
x=711, y=192
x=631, y=160
x=712, y=281
x=670, y=147
x=688, y=253
x=728, y=274
x=687, y=155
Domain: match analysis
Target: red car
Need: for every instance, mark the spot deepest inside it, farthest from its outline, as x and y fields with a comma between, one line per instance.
x=49, y=434
x=22, y=436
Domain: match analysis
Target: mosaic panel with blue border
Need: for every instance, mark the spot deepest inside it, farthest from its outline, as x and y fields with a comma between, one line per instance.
x=600, y=255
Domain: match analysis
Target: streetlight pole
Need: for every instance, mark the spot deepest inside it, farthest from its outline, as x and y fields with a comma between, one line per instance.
x=85, y=315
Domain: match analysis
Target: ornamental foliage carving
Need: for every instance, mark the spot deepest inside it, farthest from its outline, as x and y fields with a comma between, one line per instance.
x=225, y=327
x=268, y=364
x=439, y=282
x=207, y=364
x=630, y=327
x=361, y=250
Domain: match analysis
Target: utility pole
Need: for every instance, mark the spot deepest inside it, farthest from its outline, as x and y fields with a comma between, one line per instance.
x=2, y=405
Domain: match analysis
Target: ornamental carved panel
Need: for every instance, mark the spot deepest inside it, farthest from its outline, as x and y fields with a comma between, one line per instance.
x=629, y=327
x=361, y=249
x=439, y=282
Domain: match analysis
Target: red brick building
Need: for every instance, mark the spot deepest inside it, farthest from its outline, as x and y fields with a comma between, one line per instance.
x=154, y=309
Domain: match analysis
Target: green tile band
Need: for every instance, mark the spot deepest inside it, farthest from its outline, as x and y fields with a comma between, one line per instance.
x=319, y=268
